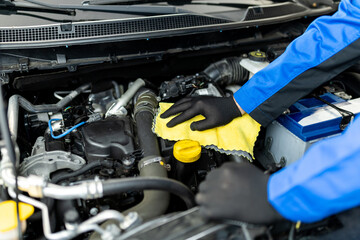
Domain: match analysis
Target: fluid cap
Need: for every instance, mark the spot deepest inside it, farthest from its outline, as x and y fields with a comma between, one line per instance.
x=8, y=218
x=187, y=151
x=257, y=56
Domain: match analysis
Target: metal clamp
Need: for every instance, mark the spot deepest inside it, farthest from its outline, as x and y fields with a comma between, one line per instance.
x=143, y=163
x=94, y=189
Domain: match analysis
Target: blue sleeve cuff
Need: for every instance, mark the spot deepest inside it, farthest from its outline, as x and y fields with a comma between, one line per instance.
x=241, y=97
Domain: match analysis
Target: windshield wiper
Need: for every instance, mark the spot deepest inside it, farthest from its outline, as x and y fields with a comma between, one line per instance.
x=8, y=8
x=134, y=9
x=170, y=2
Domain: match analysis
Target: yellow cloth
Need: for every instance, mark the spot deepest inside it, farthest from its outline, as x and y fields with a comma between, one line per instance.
x=233, y=138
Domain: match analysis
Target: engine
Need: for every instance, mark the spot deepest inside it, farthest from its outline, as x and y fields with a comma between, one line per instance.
x=78, y=139
x=93, y=152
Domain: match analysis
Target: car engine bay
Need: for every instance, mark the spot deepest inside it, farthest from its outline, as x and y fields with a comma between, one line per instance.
x=88, y=160
x=95, y=148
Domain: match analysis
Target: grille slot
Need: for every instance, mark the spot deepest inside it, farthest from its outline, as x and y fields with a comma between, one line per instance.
x=109, y=28
x=28, y=34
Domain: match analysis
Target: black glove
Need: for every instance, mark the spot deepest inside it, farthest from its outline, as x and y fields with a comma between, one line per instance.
x=218, y=111
x=236, y=191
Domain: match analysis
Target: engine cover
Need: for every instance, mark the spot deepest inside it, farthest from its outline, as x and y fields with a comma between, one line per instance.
x=109, y=138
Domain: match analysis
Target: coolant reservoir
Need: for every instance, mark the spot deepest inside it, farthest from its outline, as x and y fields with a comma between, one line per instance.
x=257, y=61
x=8, y=218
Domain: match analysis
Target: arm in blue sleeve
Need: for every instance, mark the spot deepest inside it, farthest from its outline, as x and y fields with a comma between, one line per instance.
x=329, y=46
x=324, y=182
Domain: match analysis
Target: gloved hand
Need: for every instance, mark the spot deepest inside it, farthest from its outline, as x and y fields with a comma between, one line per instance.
x=218, y=111
x=236, y=191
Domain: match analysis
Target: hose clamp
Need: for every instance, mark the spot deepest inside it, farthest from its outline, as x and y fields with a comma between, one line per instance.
x=146, y=102
x=94, y=189
x=143, y=163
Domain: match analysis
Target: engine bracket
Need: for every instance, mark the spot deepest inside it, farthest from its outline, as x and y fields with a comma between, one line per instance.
x=45, y=163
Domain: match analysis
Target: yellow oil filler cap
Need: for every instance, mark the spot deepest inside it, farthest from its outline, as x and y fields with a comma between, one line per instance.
x=8, y=218
x=187, y=151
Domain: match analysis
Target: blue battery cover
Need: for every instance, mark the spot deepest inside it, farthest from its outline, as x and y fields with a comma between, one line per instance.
x=310, y=107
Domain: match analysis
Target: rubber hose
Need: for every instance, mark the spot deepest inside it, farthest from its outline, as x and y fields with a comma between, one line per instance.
x=148, y=140
x=240, y=74
x=28, y=106
x=227, y=71
x=112, y=187
x=82, y=170
x=154, y=203
x=144, y=112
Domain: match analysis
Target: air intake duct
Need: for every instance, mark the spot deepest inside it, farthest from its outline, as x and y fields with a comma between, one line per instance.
x=227, y=71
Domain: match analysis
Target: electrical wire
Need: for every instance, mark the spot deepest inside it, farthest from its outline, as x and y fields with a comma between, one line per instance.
x=5, y=132
x=64, y=133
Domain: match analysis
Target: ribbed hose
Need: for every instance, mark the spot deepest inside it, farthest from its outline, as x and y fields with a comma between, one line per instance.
x=144, y=111
x=227, y=71
x=154, y=203
x=148, y=141
x=240, y=74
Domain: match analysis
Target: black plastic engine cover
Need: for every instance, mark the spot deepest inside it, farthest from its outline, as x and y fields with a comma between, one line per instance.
x=109, y=138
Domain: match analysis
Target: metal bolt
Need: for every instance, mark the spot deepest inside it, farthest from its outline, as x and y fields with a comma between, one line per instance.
x=94, y=211
x=168, y=167
x=128, y=161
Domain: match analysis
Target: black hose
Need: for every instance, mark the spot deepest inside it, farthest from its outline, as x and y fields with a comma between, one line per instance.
x=148, y=140
x=154, y=203
x=112, y=187
x=28, y=106
x=227, y=71
x=144, y=111
x=87, y=167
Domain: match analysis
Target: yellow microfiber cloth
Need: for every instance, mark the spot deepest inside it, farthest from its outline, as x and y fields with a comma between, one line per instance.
x=238, y=137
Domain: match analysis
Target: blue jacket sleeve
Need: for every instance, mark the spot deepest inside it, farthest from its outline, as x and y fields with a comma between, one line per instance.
x=324, y=182
x=329, y=46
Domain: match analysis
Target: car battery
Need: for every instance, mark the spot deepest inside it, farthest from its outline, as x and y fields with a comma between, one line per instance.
x=310, y=120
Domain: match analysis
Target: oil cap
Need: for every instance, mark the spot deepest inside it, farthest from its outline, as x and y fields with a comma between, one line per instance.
x=8, y=218
x=257, y=56
x=187, y=151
